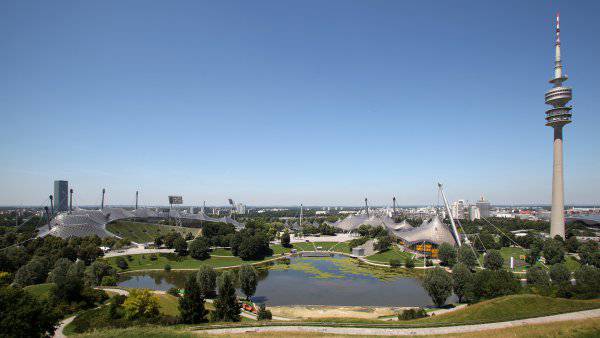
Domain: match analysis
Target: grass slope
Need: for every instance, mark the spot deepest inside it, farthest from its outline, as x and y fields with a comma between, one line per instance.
x=510, y=308
x=385, y=256
x=146, y=232
x=40, y=291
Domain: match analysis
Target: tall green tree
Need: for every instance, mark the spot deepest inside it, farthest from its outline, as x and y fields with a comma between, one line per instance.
x=226, y=304
x=22, y=315
x=285, y=239
x=248, y=280
x=438, y=284
x=191, y=305
x=493, y=260
x=553, y=251
x=462, y=281
x=466, y=256
x=447, y=254
x=207, y=281
x=180, y=246
x=200, y=248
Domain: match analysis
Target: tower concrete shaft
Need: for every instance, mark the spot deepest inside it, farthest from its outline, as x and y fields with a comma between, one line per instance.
x=557, y=117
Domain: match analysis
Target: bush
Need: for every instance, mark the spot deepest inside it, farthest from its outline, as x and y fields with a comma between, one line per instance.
x=167, y=267
x=153, y=257
x=412, y=314
x=493, y=260
x=395, y=262
x=410, y=263
x=174, y=291
x=383, y=243
x=108, y=281
x=285, y=239
x=438, y=284
x=428, y=262
x=263, y=313
x=121, y=263
x=141, y=303
x=447, y=254
x=97, y=271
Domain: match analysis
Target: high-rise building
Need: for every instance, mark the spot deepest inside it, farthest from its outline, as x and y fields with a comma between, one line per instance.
x=240, y=208
x=61, y=195
x=557, y=117
x=474, y=212
x=458, y=209
x=484, y=207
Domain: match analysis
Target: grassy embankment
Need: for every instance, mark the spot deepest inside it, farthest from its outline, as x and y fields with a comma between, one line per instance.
x=501, y=309
x=140, y=232
x=40, y=291
x=392, y=253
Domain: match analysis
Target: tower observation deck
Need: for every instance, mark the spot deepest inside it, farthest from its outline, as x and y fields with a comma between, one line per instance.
x=557, y=117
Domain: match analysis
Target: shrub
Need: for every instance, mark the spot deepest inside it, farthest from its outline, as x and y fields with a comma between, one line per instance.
x=121, y=263
x=412, y=314
x=174, y=291
x=447, y=254
x=153, y=257
x=263, y=313
x=428, y=262
x=493, y=260
x=167, y=267
x=395, y=263
x=383, y=243
x=108, y=281
x=410, y=263
x=130, y=258
x=97, y=271
x=141, y=303
x=438, y=284
x=285, y=239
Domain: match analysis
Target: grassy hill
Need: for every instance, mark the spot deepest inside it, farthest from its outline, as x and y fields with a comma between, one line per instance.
x=146, y=232
x=392, y=253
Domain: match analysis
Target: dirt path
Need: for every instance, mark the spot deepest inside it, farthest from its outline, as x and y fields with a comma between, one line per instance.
x=410, y=331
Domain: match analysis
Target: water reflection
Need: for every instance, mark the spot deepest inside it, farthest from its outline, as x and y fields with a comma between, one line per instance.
x=312, y=281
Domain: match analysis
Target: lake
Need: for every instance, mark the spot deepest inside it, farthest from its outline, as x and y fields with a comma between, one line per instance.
x=336, y=280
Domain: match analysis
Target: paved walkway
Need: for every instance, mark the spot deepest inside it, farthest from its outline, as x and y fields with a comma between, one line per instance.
x=410, y=331
x=61, y=326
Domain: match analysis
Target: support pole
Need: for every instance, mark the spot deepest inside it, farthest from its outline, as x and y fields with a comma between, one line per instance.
x=51, y=205
x=70, y=200
x=367, y=206
x=102, y=204
x=455, y=232
x=136, y=199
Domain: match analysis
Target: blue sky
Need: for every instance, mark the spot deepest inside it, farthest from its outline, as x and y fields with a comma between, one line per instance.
x=283, y=102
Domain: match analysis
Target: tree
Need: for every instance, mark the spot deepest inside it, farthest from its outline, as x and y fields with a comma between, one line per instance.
x=486, y=242
x=23, y=315
x=200, y=248
x=589, y=254
x=235, y=243
x=467, y=256
x=438, y=284
x=488, y=284
x=88, y=252
x=447, y=254
x=587, y=282
x=34, y=272
x=462, y=280
x=207, y=281
x=553, y=251
x=96, y=271
x=122, y=263
x=383, y=243
x=141, y=303
x=409, y=263
x=158, y=241
x=493, y=260
x=254, y=247
x=538, y=278
x=248, y=280
x=285, y=239
x=572, y=244
x=559, y=274
x=191, y=305
x=364, y=230
x=226, y=304
x=180, y=246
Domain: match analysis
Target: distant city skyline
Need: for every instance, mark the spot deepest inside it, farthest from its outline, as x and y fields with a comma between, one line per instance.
x=320, y=103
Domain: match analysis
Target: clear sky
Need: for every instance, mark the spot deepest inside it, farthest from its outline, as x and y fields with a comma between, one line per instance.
x=288, y=102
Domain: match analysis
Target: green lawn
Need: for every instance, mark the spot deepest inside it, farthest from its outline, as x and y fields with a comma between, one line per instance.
x=510, y=308
x=385, y=256
x=39, y=290
x=143, y=261
x=169, y=304
x=221, y=252
x=312, y=246
x=146, y=232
